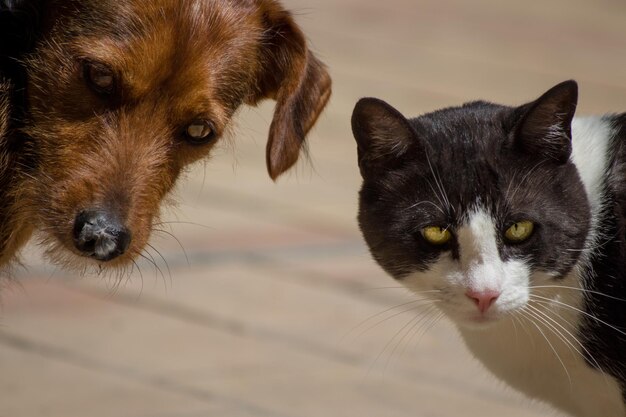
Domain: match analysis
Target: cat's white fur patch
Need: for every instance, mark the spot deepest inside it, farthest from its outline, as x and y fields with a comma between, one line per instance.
x=482, y=268
x=591, y=137
x=477, y=242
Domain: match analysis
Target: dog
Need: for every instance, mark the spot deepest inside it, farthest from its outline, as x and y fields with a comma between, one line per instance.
x=120, y=96
x=5, y=115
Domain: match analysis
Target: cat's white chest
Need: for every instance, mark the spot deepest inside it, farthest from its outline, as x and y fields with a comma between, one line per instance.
x=525, y=356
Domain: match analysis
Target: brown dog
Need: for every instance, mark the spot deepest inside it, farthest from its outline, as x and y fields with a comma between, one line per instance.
x=122, y=95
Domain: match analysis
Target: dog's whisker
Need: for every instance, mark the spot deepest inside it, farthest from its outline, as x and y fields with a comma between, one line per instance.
x=177, y=240
x=158, y=271
x=169, y=271
x=165, y=223
x=136, y=265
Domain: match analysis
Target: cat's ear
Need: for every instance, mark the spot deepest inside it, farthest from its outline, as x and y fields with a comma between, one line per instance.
x=383, y=135
x=546, y=127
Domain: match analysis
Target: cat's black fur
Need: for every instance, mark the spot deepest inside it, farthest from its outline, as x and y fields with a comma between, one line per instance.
x=478, y=150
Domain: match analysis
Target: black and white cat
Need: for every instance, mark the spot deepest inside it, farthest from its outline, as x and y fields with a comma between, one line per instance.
x=512, y=219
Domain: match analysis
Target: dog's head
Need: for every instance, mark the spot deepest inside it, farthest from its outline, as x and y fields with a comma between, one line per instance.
x=124, y=94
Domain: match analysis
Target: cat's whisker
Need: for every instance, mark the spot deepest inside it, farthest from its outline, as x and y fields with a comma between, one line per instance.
x=558, y=329
x=378, y=323
x=507, y=201
x=419, y=301
x=441, y=202
x=587, y=354
x=549, y=301
x=530, y=318
x=514, y=322
x=419, y=319
x=577, y=289
x=519, y=321
x=559, y=336
x=404, y=330
x=375, y=361
x=439, y=184
x=533, y=312
x=411, y=207
x=382, y=288
x=515, y=331
x=423, y=329
x=401, y=287
x=597, y=244
x=419, y=292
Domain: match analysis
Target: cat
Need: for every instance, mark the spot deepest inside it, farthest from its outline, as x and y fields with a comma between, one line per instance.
x=512, y=221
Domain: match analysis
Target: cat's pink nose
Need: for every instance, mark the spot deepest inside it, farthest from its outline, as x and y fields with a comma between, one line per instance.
x=483, y=299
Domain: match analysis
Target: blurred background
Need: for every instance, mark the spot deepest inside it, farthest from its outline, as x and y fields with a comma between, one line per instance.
x=266, y=302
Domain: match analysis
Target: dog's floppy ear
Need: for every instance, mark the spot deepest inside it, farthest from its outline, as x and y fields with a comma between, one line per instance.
x=298, y=82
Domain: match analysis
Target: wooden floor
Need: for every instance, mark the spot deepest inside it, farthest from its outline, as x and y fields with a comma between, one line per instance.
x=264, y=309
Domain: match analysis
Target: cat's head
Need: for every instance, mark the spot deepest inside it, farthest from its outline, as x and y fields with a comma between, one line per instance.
x=473, y=205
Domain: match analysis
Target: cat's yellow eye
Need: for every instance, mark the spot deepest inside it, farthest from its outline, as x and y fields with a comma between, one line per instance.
x=436, y=235
x=519, y=231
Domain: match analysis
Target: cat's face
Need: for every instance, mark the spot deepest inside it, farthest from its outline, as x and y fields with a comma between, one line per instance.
x=473, y=206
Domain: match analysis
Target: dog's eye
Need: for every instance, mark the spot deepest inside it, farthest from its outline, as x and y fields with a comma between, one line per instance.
x=99, y=77
x=200, y=132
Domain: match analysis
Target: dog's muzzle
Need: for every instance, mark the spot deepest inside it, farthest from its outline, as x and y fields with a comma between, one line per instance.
x=100, y=236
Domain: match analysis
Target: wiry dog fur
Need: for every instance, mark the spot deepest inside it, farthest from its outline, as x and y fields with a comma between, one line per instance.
x=173, y=62
x=4, y=126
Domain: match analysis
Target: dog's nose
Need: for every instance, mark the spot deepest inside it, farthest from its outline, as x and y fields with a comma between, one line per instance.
x=99, y=236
